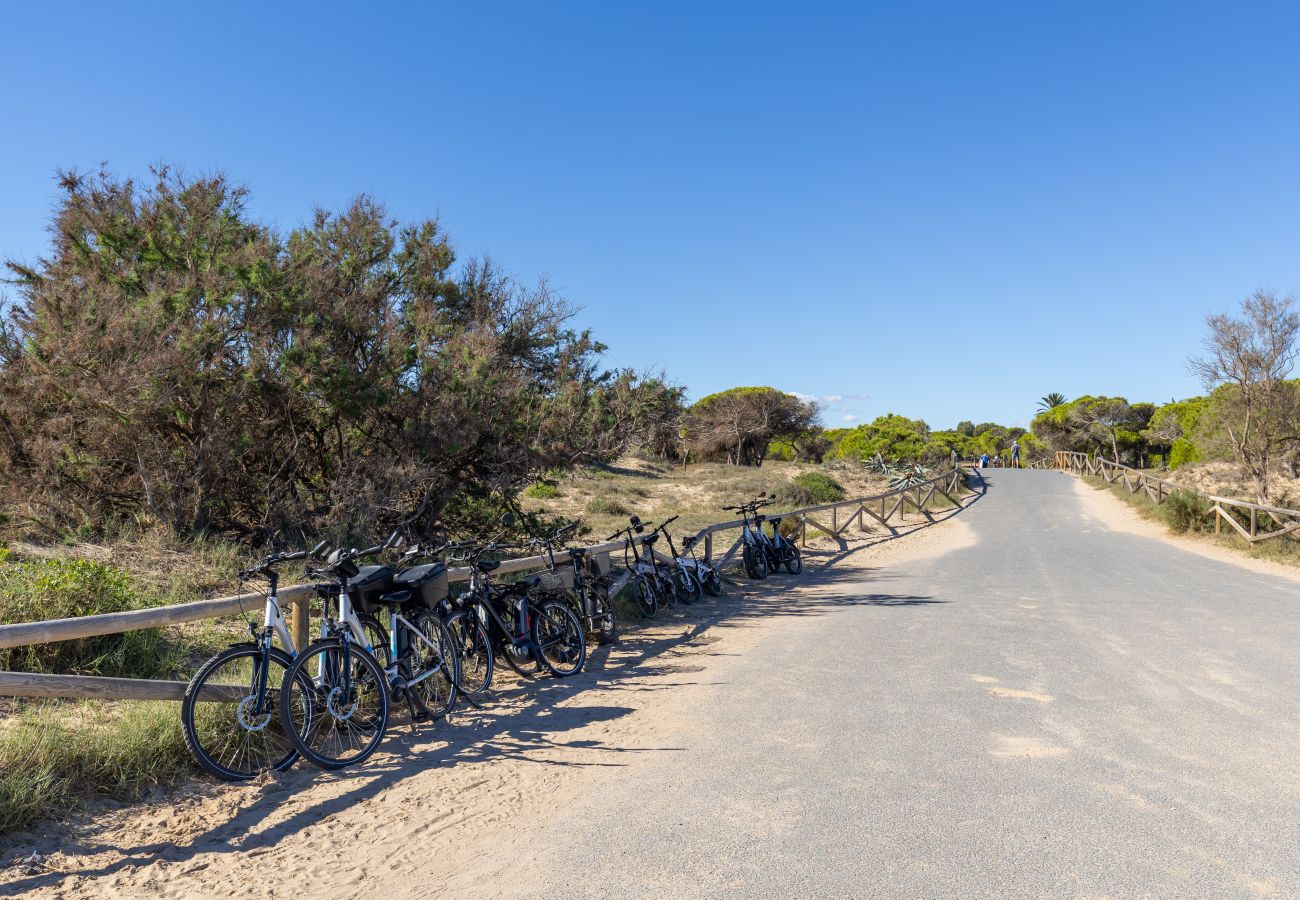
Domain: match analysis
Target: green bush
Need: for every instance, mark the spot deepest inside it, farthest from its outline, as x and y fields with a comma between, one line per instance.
x=542, y=490
x=810, y=488
x=1186, y=511
x=1183, y=452
x=36, y=589
x=607, y=506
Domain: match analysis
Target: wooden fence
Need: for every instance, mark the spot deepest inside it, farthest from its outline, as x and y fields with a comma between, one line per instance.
x=880, y=508
x=1253, y=521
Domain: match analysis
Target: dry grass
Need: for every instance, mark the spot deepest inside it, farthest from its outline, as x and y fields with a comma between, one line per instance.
x=656, y=490
x=1285, y=550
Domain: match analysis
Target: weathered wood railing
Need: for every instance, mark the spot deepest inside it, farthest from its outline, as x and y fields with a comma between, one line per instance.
x=1253, y=521
x=298, y=598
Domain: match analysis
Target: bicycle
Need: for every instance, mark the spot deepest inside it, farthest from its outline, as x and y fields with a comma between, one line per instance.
x=703, y=569
x=685, y=584
x=240, y=743
x=589, y=593
x=348, y=689
x=643, y=576
x=786, y=553
x=531, y=634
x=754, y=552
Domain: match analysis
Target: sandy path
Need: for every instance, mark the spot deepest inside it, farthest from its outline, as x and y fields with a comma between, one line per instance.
x=1117, y=515
x=438, y=801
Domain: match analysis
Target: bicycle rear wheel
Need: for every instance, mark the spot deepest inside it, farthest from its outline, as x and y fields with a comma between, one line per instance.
x=712, y=582
x=557, y=635
x=473, y=650
x=604, y=620
x=349, y=697
x=230, y=717
x=437, y=691
x=792, y=558
x=687, y=586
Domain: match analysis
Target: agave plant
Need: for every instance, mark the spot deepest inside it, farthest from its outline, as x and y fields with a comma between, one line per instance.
x=878, y=465
x=907, y=476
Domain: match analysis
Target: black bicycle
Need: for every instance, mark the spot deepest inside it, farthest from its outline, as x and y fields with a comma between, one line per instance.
x=528, y=632
x=641, y=575
x=588, y=589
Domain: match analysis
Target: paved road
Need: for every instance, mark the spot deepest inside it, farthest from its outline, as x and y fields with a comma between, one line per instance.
x=1057, y=710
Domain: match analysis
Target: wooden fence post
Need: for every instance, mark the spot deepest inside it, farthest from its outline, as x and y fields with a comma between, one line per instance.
x=300, y=622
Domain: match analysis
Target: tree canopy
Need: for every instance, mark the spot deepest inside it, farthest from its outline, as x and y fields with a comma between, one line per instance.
x=175, y=358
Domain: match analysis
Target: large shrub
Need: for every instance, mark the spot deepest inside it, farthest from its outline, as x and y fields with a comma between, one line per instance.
x=37, y=589
x=809, y=489
x=174, y=358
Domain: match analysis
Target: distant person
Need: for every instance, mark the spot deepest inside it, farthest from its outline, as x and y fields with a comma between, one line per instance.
x=997, y=461
x=984, y=461
x=1015, y=455
x=955, y=457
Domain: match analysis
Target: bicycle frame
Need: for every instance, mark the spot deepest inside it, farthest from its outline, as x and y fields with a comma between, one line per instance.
x=396, y=619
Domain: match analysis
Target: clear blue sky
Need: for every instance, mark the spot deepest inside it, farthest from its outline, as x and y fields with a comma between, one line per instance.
x=939, y=209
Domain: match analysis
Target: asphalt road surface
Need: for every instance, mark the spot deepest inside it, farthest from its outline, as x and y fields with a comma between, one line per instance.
x=1058, y=710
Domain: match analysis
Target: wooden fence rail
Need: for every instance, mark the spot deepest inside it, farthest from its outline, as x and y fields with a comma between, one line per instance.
x=1255, y=522
x=297, y=598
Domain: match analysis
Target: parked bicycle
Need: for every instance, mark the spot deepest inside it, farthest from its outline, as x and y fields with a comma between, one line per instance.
x=588, y=593
x=334, y=699
x=642, y=576
x=754, y=553
x=230, y=713
x=703, y=569
x=781, y=550
x=686, y=585
x=530, y=633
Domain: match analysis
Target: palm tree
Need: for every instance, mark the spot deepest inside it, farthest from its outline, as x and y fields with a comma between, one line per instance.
x=1051, y=401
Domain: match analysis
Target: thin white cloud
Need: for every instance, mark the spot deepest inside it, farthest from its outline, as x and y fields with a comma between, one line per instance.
x=849, y=418
x=832, y=398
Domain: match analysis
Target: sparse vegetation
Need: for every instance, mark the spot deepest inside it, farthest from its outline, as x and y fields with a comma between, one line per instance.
x=53, y=756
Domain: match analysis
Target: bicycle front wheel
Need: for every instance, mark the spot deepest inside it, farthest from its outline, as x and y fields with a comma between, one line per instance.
x=712, y=582
x=646, y=597
x=230, y=716
x=349, y=699
x=687, y=586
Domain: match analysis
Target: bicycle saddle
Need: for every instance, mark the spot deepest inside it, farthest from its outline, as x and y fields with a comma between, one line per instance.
x=487, y=565
x=396, y=598
x=578, y=552
x=688, y=542
x=523, y=585
x=651, y=539
x=760, y=518
x=776, y=520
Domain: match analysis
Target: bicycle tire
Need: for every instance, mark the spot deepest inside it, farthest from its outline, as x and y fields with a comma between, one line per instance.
x=262, y=743
x=558, y=638
x=606, y=622
x=712, y=582
x=474, y=651
x=438, y=691
x=645, y=596
x=755, y=560
x=687, y=586
x=793, y=559
x=313, y=738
